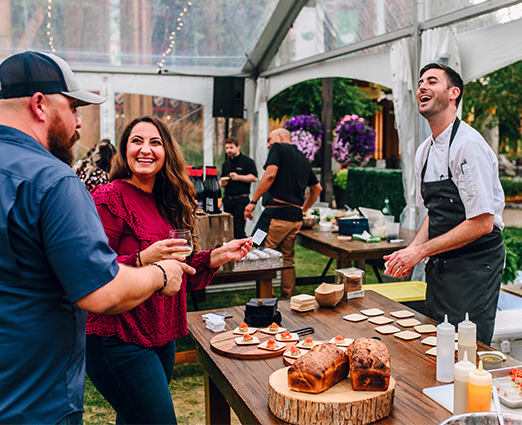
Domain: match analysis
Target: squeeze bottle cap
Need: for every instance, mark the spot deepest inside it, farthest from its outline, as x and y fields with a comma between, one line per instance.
x=480, y=376
x=464, y=367
x=467, y=325
x=445, y=328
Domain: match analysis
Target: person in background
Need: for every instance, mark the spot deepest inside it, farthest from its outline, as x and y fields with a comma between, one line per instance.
x=55, y=262
x=94, y=169
x=458, y=182
x=130, y=356
x=287, y=174
x=237, y=173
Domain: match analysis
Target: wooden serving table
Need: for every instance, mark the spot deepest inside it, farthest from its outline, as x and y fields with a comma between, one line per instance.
x=344, y=252
x=513, y=289
x=243, y=384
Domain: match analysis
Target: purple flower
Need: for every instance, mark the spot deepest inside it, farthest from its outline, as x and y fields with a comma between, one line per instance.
x=354, y=141
x=309, y=123
x=307, y=133
x=306, y=143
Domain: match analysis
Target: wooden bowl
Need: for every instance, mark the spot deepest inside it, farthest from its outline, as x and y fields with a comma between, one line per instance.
x=329, y=295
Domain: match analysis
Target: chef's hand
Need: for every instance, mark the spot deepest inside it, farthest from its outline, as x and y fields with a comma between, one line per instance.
x=248, y=211
x=223, y=182
x=400, y=263
x=233, y=176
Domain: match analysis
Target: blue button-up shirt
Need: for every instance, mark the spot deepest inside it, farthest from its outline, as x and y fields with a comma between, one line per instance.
x=53, y=251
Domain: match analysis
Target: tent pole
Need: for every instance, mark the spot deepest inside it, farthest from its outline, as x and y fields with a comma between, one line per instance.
x=418, y=13
x=326, y=146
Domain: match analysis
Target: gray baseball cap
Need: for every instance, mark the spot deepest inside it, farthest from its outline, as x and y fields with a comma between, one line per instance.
x=27, y=73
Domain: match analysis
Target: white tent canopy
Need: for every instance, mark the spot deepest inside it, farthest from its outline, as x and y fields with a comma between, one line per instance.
x=173, y=48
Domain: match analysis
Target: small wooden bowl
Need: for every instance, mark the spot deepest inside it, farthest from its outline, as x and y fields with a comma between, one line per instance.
x=329, y=295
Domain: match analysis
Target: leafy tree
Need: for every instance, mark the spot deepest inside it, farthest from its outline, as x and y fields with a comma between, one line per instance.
x=499, y=96
x=306, y=98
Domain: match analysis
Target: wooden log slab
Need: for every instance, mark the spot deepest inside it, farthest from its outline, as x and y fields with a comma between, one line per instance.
x=225, y=345
x=339, y=404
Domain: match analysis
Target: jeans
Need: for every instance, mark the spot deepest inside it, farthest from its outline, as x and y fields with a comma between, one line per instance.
x=133, y=379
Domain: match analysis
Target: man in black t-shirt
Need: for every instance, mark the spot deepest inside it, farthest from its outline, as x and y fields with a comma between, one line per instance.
x=237, y=173
x=287, y=174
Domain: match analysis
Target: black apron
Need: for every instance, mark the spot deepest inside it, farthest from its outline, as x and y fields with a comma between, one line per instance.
x=466, y=279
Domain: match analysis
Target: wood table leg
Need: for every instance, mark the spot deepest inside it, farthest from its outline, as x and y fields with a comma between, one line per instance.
x=264, y=288
x=360, y=264
x=217, y=410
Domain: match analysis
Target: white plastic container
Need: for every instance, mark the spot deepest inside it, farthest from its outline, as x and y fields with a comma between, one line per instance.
x=468, y=340
x=325, y=226
x=445, y=350
x=461, y=373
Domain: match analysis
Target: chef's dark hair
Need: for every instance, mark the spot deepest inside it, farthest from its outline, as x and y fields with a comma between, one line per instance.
x=454, y=79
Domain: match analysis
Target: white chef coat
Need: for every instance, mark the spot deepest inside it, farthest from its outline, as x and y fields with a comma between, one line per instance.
x=474, y=168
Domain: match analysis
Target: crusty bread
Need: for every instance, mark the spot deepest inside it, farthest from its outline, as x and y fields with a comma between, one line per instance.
x=369, y=365
x=319, y=369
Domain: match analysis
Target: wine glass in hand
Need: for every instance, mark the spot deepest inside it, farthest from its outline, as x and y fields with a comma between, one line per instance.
x=182, y=234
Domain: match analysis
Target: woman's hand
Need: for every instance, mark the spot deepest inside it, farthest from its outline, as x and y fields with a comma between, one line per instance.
x=232, y=251
x=163, y=250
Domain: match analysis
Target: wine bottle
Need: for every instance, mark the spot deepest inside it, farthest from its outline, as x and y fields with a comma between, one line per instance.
x=200, y=190
x=212, y=191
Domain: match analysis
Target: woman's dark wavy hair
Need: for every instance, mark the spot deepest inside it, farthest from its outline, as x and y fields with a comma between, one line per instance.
x=173, y=190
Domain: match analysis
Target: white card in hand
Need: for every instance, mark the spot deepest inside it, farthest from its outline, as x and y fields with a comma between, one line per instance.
x=259, y=237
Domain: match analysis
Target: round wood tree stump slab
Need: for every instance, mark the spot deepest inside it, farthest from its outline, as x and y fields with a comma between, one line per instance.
x=339, y=404
x=225, y=345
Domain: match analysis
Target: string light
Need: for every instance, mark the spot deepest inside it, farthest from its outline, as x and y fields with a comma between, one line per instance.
x=49, y=24
x=171, y=41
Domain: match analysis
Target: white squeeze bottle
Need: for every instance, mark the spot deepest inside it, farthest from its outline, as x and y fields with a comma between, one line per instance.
x=468, y=340
x=460, y=386
x=445, y=350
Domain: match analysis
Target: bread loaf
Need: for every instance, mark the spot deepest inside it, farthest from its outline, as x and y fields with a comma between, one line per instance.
x=369, y=365
x=319, y=369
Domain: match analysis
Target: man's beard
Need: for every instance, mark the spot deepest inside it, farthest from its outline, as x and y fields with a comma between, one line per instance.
x=60, y=144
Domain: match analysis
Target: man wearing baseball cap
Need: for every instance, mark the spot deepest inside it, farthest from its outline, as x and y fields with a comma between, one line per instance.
x=55, y=262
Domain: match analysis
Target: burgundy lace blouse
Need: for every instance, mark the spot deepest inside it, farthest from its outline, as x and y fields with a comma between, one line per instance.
x=132, y=223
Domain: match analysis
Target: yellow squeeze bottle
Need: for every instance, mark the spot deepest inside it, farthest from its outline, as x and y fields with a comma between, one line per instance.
x=479, y=390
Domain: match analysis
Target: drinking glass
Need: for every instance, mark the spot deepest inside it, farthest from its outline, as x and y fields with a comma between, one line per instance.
x=182, y=234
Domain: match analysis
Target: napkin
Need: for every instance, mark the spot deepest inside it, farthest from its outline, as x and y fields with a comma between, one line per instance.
x=214, y=322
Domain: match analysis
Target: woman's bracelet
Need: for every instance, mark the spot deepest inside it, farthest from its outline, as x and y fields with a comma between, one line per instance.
x=139, y=259
x=164, y=277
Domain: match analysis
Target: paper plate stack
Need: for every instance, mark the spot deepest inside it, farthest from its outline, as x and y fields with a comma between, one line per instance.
x=329, y=295
x=302, y=302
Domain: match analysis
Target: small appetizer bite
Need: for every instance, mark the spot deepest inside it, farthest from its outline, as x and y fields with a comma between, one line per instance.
x=274, y=327
x=308, y=342
x=339, y=339
x=286, y=335
x=248, y=338
x=294, y=351
x=271, y=344
x=243, y=327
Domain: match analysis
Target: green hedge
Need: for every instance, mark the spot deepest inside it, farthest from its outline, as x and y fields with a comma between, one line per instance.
x=512, y=186
x=369, y=187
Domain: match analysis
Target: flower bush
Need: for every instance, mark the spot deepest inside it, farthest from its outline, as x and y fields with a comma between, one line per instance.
x=307, y=133
x=354, y=141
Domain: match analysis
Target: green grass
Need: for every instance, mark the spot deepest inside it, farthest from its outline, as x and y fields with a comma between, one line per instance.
x=187, y=380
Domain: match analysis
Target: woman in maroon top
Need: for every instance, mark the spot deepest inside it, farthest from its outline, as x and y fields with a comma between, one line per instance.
x=130, y=356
